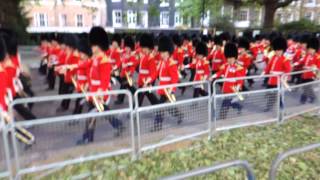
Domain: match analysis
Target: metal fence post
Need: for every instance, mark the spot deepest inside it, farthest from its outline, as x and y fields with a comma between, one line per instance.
x=137, y=124
x=279, y=100
x=276, y=162
x=4, y=132
x=209, y=111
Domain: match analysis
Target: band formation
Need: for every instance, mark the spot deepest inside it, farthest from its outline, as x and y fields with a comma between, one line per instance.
x=86, y=63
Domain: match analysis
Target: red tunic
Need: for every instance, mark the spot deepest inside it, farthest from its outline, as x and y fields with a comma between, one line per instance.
x=11, y=71
x=277, y=66
x=245, y=60
x=178, y=56
x=114, y=58
x=202, y=69
x=147, y=69
x=309, y=62
x=82, y=73
x=217, y=59
x=168, y=74
x=53, y=55
x=3, y=89
x=71, y=60
x=129, y=64
x=231, y=71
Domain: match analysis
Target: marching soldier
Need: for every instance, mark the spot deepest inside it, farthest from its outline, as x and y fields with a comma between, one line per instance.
x=129, y=63
x=216, y=56
x=53, y=54
x=245, y=59
x=99, y=81
x=277, y=65
x=230, y=70
x=147, y=68
x=168, y=74
x=309, y=62
x=114, y=54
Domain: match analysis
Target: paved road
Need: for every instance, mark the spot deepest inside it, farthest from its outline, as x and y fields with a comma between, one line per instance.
x=57, y=140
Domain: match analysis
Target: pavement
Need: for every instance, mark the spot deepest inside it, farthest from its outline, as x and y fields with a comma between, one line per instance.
x=56, y=141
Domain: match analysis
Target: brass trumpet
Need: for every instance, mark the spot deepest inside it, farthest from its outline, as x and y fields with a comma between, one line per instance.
x=129, y=79
x=241, y=98
x=171, y=97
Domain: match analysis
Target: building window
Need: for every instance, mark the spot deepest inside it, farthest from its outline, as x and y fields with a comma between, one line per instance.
x=132, y=18
x=131, y=0
x=117, y=18
x=144, y=18
x=63, y=20
x=95, y=20
x=309, y=16
x=177, y=2
x=164, y=19
x=311, y=1
x=41, y=19
x=243, y=15
x=178, y=21
x=145, y=1
x=164, y=3
x=79, y=20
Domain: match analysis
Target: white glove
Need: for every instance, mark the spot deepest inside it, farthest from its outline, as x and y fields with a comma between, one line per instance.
x=114, y=81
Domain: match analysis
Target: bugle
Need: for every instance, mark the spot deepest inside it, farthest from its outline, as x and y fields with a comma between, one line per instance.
x=129, y=79
x=171, y=97
x=235, y=89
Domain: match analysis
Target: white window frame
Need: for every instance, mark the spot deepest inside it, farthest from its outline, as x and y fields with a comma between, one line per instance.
x=164, y=23
x=79, y=23
x=115, y=1
x=132, y=18
x=311, y=17
x=63, y=22
x=178, y=19
x=145, y=1
x=247, y=14
x=144, y=19
x=37, y=19
x=164, y=3
x=116, y=21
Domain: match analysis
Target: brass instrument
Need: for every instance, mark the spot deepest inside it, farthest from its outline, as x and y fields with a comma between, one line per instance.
x=171, y=97
x=241, y=98
x=129, y=79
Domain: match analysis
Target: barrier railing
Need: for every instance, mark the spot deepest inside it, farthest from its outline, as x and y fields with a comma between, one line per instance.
x=5, y=160
x=245, y=108
x=214, y=168
x=62, y=148
x=182, y=119
x=284, y=155
x=190, y=117
x=298, y=96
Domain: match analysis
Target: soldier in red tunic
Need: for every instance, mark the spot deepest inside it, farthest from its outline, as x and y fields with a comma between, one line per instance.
x=310, y=63
x=99, y=81
x=277, y=65
x=230, y=70
x=53, y=53
x=147, y=68
x=129, y=63
x=245, y=59
x=168, y=74
x=3, y=76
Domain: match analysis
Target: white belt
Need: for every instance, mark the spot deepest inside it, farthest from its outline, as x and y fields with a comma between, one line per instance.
x=240, y=62
x=144, y=71
x=95, y=82
x=129, y=64
x=112, y=61
x=165, y=78
x=82, y=77
x=217, y=60
x=276, y=72
x=200, y=72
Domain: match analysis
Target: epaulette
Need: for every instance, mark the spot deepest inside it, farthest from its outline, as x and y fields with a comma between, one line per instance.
x=239, y=67
x=105, y=59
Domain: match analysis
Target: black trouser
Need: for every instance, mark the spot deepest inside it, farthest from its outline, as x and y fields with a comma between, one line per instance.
x=61, y=84
x=24, y=111
x=79, y=105
x=26, y=83
x=151, y=96
x=43, y=67
x=125, y=85
x=51, y=78
x=199, y=91
x=226, y=104
x=66, y=89
x=308, y=92
x=91, y=123
x=172, y=110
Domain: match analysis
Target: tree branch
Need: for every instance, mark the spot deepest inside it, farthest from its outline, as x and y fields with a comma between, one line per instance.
x=284, y=3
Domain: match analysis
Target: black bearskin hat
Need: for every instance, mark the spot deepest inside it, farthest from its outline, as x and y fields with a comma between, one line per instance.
x=3, y=49
x=313, y=43
x=201, y=49
x=177, y=40
x=99, y=37
x=217, y=40
x=243, y=43
x=279, y=43
x=117, y=38
x=165, y=44
x=230, y=50
x=129, y=42
x=146, y=41
x=71, y=40
x=84, y=46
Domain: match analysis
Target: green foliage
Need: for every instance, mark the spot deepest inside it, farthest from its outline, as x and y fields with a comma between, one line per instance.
x=298, y=26
x=223, y=23
x=259, y=145
x=153, y=11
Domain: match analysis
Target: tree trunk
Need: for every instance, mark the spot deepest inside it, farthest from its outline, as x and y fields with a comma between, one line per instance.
x=270, y=9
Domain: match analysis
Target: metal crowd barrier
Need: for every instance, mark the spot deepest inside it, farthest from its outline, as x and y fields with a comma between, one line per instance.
x=284, y=155
x=194, y=113
x=5, y=162
x=47, y=153
x=299, y=97
x=214, y=168
x=258, y=106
